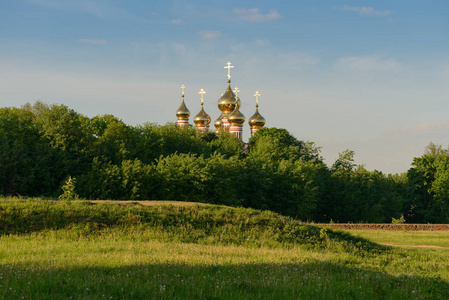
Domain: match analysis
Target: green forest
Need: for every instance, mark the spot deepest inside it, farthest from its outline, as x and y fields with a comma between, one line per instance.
x=54, y=152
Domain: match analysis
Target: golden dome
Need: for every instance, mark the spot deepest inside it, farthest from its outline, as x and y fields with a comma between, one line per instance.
x=239, y=103
x=236, y=118
x=218, y=122
x=227, y=101
x=202, y=119
x=183, y=113
x=256, y=120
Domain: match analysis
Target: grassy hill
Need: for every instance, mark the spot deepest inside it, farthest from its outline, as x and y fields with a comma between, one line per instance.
x=175, y=221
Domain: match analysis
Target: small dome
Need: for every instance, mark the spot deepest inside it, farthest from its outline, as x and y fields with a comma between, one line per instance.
x=218, y=122
x=227, y=101
x=236, y=118
x=183, y=113
x=202, y=119
x=256, y=120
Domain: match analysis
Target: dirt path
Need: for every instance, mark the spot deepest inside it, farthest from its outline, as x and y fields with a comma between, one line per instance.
x=415, y=246
x=149, y=203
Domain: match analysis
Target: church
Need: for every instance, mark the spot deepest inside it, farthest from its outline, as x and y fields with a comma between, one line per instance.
x=230, y=119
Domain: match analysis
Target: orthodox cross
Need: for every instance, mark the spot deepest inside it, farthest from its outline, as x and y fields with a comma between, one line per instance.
x=257, y=94
x=229, y=67
x=236, y=91
x=182, y=89
x=202, y=92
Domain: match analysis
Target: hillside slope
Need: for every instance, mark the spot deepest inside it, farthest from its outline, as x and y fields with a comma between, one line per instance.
x=205, y=224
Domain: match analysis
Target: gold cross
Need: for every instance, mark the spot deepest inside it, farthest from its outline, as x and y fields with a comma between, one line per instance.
x=182, y=88
x=236, y=91
x=229, y=67
x=202, y=92
x=257, y=94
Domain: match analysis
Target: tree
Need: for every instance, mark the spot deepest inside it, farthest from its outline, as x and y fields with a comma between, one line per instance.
x=277, y=144
x=345, y=162
x=63, y=127
x=439, y=211
x=425, y=204
x=25, y=158
x=227, y=144
x=156, y=140
x=358, y=195
x=114, y=141
x=287, y=175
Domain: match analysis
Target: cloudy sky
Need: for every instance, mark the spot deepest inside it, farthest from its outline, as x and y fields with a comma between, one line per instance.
x=369, y=76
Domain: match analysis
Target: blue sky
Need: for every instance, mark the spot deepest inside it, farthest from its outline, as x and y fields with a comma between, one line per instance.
x=369, y=76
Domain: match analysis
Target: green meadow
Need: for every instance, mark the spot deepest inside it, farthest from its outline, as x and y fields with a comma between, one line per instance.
x=81, y=250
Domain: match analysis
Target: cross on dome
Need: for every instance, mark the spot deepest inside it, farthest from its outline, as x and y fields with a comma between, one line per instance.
x=182, y=89
x=202, y=92
x=257, y=94
x=229, y=67
x=236, y=91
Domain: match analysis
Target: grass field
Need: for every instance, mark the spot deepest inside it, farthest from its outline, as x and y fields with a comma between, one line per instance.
x=83, y=251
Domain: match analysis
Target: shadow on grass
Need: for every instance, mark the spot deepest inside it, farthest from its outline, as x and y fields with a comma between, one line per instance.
x=310, y=280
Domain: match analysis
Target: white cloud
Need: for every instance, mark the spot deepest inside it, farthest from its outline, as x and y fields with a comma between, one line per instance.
x=92, y=41
x=254, y=15
x=367, y=11
x=177, y=21
x=209, y=34
x=367, y=63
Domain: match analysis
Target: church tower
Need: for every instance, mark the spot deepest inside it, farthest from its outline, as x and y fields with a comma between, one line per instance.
x=183, y=113
x=227, y=101
x=202, y=119
x=256, y=121
x=236, y=120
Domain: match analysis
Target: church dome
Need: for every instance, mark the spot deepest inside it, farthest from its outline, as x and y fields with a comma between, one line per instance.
x=236, y=118
x=218, y=122
x=183, y=113
x=227, y=101
x=202, y=119
x=256, y=120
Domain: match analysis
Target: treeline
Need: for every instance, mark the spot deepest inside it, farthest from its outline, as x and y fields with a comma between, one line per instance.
x=53, y=150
